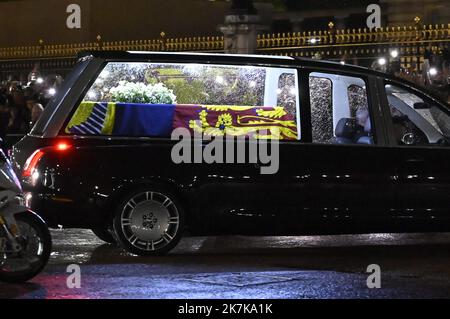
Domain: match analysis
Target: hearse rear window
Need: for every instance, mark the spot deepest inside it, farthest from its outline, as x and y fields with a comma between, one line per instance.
x=340, y=111
x=153, y=99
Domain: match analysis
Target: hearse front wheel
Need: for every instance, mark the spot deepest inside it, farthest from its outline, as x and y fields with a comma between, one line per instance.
x=149, y=222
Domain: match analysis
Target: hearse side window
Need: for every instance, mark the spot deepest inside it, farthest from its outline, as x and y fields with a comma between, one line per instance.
x=287, y=93
x=321, y=109
x=416, y=121
x=339, y=110
x=152, y=99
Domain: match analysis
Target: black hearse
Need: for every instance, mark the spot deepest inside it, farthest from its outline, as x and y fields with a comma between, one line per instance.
x=358, y=151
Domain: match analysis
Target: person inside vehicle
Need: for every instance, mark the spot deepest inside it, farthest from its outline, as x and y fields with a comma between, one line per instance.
x=355, y=130
x=364, y=127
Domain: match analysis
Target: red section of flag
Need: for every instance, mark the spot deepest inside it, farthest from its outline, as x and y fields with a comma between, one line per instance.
x=235, y=117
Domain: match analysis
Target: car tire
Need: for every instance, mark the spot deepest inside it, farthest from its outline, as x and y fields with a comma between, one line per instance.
x=104, y=234
x=149, y=222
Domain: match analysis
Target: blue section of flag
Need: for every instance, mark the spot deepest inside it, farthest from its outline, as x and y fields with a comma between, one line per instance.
x=143, y=119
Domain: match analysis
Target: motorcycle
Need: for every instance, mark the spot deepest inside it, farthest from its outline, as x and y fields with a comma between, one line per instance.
x=25, y=241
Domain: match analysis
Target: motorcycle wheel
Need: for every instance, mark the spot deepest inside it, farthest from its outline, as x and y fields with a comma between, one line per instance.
x=36, y=248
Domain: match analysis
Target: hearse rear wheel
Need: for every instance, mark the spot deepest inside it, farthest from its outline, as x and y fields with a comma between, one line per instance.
x=149, y=222
x=104, y=234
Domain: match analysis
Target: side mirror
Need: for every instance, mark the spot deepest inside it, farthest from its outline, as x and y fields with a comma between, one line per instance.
x=421, y=106
x=408, y=139
x=400, y=119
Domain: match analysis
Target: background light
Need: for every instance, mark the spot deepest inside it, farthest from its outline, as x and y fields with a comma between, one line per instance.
x=39, y=80
x=433, y=71
x=382, y=61
x=394, y=53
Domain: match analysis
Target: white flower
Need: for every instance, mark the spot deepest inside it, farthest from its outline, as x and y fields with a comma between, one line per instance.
x=130, y=92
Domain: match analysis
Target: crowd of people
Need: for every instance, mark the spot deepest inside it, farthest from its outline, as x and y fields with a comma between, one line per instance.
x=434, y=74
x=21, y=105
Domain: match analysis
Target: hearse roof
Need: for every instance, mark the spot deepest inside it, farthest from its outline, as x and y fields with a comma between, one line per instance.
x=223, y=58
x=246, y=59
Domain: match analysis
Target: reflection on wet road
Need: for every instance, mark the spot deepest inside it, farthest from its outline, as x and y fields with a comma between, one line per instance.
x=412, y=266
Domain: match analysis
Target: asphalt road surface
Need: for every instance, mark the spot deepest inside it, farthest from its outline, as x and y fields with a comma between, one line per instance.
x=412, y=266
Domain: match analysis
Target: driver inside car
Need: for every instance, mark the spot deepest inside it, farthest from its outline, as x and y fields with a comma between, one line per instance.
x=364, y=128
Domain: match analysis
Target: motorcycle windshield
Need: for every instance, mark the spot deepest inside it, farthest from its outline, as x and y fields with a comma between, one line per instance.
x=3, y=157
x=8, y=179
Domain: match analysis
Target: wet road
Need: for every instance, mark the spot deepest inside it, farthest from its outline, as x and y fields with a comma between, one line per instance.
x=412, y=266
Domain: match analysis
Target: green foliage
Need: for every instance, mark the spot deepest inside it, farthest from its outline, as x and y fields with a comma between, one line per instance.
x=187, y=93
x=170, y=72
x=250, y=98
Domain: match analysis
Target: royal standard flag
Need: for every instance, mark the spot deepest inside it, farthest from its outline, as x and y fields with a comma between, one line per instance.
x=258, y=122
